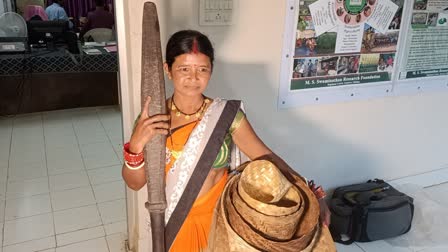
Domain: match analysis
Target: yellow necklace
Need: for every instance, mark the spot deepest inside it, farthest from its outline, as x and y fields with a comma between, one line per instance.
x=197, y=113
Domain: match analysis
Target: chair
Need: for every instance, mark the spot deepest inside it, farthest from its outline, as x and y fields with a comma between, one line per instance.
x=99, y=35
x=31, y=11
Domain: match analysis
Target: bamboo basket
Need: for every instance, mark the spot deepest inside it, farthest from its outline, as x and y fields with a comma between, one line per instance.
x=238, y=226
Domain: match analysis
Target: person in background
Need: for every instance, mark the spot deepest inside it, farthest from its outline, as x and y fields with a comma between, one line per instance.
x=99, y=18
x=57, y=12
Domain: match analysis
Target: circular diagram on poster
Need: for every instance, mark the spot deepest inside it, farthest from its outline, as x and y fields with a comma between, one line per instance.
x=354, y=12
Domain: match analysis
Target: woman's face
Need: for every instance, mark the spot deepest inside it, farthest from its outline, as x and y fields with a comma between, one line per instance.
x=190, y=73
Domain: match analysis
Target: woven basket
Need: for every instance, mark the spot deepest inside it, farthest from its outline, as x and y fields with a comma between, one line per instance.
x=253, y=236
x=280, y=227
x=238, y=227
x=289, y=204
x=264, y=188
x=264, y=182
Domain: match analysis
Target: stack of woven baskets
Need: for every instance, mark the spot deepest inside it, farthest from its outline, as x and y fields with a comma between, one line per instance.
x=260, y=210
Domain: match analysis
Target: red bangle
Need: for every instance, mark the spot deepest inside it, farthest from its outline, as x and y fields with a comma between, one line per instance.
x=132, y=158
x=317, y=190
x=136, y=164
x=320, y=193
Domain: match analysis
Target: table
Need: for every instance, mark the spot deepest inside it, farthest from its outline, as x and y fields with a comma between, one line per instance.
x=49, y=80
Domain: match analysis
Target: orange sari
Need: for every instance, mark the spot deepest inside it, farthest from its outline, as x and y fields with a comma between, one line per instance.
x=193, y=235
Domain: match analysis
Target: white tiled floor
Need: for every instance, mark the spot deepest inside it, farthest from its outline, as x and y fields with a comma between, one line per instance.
x=60, y=182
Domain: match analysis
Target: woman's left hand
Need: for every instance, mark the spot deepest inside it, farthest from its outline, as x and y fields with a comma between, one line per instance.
x=324, y=212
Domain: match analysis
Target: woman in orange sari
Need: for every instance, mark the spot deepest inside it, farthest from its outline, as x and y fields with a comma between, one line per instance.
x=190, y=126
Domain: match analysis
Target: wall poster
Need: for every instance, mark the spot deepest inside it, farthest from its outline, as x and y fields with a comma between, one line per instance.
x=342, y=50
x=426, y=53
x=345, y=42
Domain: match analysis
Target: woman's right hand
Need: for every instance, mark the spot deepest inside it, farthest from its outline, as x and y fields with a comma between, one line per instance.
x=147, y=127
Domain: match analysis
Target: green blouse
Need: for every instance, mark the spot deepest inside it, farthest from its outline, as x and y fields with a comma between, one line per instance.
x=223, y=158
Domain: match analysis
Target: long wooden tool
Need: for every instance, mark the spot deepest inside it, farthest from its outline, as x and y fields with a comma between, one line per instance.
x=153, y=84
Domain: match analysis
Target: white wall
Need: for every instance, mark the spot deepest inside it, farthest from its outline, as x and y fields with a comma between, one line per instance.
x=334, y=144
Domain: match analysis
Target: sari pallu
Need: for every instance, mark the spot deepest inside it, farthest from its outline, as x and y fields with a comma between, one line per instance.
x=188, y=219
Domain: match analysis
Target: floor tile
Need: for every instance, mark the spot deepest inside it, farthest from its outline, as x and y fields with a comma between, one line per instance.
x=27, y=120
x=116, y=242
x=2, y=190
x=80, y=117
x=76, y=219
x=380, y=246
x=4, y=155
x=27, y=139
x=64, y=159
x=57, y=121
x=29, y=228
x=118, y=148
x=72, y=198
x=116, y=227
x=112, y=211
x=99, y=155
x=95, y=245
x=44, y=244
x=68, y=181
x=40, y=151
x=4, y=162
x=25, y=188
x=105, y=174
x=61, y=140
x=26, y=170
x=2, y=212
x=81, y=235
x=58, y=129
x=85, y=114
x=61, y=121
x=48, y=250
x=109, y=191
x=90, y=131
x=92, y=137
x=27, y=146
x=435, y=249
x=348, y=248
x=32, y=155
x=1, y=235
x=20, y=135
x=3, y=175
x=115, y=132
x=27, y=149
x=27, y=206
x=438, y=193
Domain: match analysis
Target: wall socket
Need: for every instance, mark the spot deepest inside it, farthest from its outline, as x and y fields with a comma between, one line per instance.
x=216, y=12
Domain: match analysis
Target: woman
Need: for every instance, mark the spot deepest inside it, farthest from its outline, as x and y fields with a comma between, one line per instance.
x=189, y=64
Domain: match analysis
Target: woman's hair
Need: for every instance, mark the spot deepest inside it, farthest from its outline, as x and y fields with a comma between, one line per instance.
x=99, y=3
x=188, y=41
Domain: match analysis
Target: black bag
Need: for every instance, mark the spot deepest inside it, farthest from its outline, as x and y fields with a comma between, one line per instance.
x=369, y=211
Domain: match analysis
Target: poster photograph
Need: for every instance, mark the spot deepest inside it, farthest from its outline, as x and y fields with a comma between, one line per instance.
x=427, y=48
x=345, y=42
